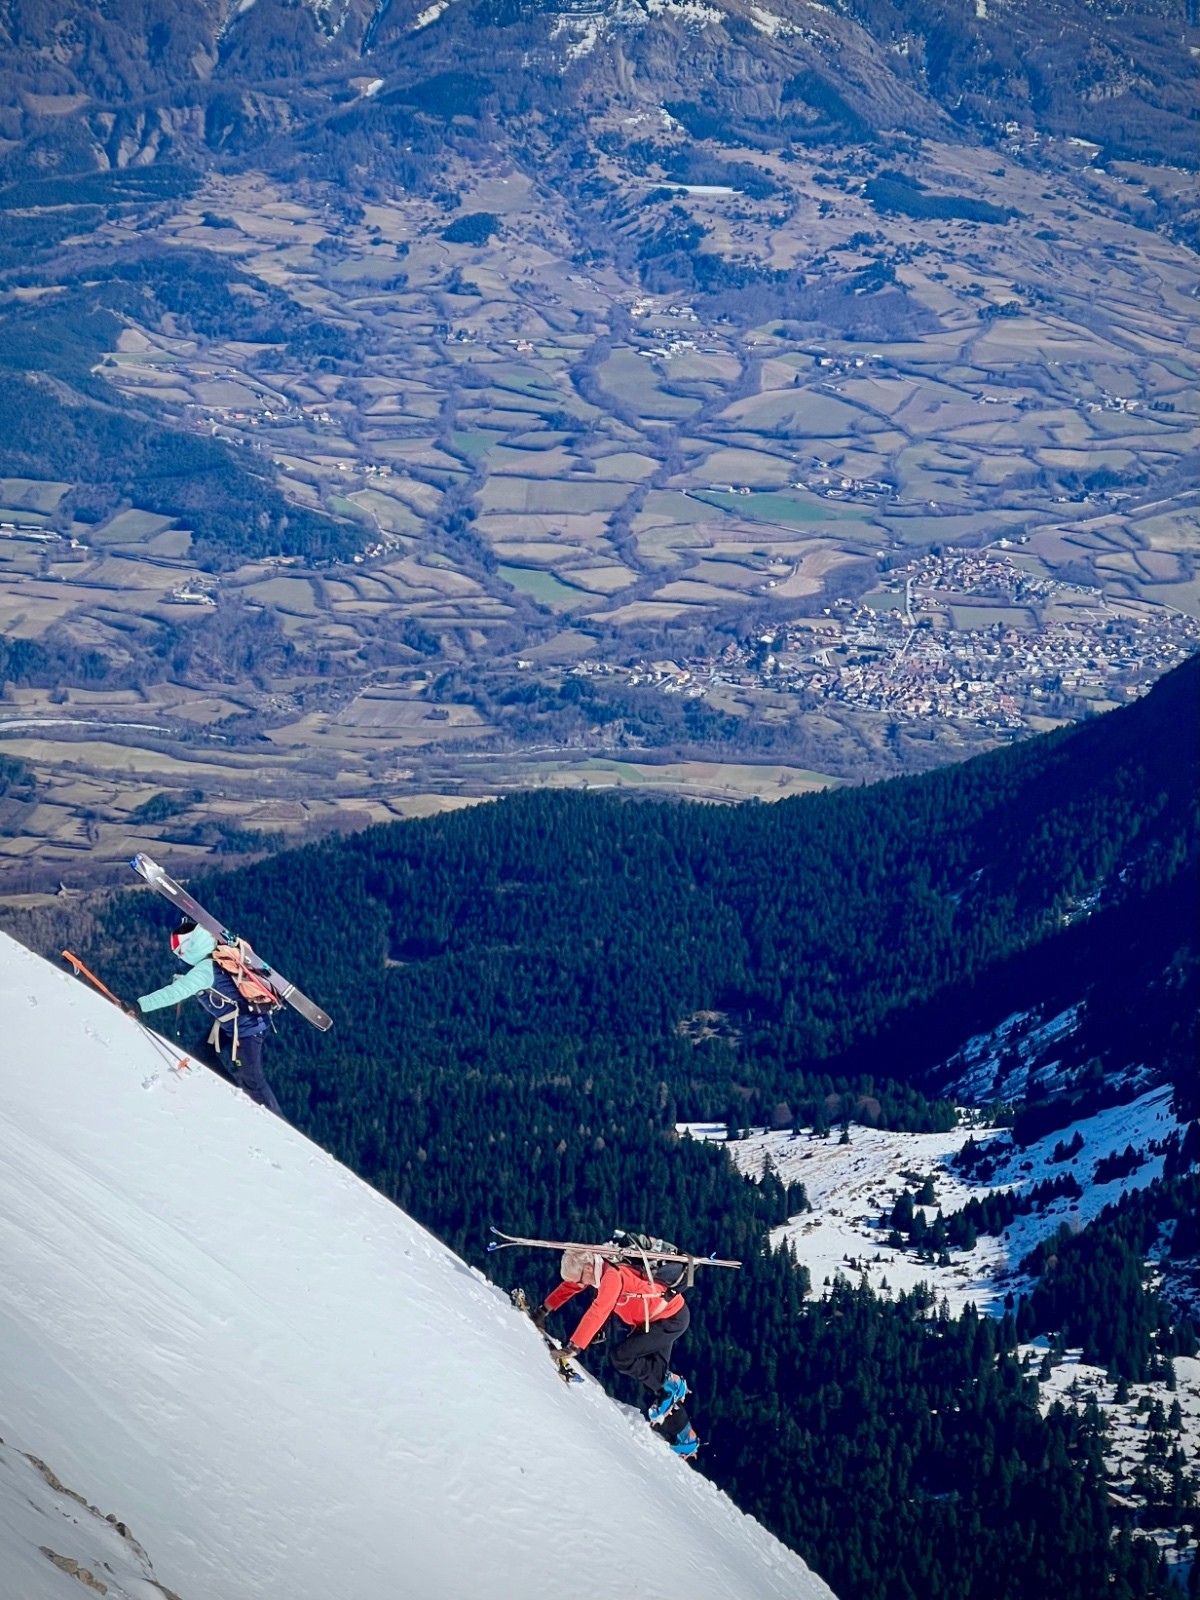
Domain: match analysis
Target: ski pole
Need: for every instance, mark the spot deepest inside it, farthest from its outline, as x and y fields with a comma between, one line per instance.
x=160, y=1044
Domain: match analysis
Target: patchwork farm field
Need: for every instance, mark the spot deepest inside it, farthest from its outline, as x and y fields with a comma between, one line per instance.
x=542, y=465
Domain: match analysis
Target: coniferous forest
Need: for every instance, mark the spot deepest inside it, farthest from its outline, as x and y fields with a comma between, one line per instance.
x=530, y=995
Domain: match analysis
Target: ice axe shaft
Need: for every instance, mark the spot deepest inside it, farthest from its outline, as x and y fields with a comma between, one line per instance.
x=83, y=972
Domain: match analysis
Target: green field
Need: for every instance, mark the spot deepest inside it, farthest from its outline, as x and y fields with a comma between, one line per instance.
x=543, y=587
x=703, y=780
x=804, y=413
x=475, y=446
x=951, y=529
x=790, y=510
x=666, y=508
x=549, y=496
x=293, y=596
x=131, y=527
x=391, y=514
x=632, y=380
x=599, y=580
x=965, y=618
x=20, y=556
x=534, y=384
x=348, y=508
x=32, y=494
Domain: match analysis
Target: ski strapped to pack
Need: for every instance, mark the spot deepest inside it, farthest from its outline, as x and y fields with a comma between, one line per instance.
x=254, y=993
x=162, y=883
x=611, y=1252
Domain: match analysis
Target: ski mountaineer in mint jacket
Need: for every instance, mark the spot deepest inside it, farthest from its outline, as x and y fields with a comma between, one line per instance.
x=218, y=994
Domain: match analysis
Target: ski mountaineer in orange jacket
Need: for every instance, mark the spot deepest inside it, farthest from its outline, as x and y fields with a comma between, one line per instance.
x=656, y=1316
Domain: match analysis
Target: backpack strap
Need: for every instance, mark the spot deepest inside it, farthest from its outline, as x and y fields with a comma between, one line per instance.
x=650, y=1280
x=229, y=1012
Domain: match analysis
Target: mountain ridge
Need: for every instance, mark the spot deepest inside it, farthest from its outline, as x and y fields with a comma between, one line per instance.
x=901, y=66
x=532, y=996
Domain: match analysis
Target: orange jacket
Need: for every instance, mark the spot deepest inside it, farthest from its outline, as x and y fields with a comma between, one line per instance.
x=624, y=1292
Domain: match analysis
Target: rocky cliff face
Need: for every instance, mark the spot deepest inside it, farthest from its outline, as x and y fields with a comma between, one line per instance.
x=121, y=84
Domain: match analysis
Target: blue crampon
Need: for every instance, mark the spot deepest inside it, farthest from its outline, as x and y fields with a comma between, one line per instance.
x=687, y=1443
x=674, y=1390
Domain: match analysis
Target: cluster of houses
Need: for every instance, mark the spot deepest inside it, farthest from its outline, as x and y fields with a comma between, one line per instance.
x=936, y=647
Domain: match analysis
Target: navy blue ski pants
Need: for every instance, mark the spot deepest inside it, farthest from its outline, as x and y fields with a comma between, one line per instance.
x=248, y=1070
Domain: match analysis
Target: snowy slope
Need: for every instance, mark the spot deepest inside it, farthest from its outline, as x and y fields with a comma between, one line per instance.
x=276, y=1380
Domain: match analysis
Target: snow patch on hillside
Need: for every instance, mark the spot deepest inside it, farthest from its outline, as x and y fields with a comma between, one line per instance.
x=584, y=32
x=852, y=1186
x=849, y=1187
x=426, y=18
x=580, y=32
x=291, y=1391
x=1136, y=1454
x=996, y=1066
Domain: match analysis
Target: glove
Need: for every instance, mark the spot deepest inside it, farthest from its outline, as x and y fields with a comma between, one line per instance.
x=568, y=1352
x=131, y=1011
x=538, y=1317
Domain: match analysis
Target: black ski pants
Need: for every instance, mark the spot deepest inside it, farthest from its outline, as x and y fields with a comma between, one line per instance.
x=645, y=1356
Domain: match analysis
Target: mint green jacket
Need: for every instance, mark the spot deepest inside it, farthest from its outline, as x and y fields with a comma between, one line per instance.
x=195, y=948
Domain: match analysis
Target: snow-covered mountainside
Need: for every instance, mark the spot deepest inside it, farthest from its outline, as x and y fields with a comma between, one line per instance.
x=1068, y=1176
x=852, y=1188
x=217, y=1339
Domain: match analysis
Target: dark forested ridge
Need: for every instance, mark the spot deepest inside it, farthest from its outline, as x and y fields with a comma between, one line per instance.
x=58, y=420
x=529, y=994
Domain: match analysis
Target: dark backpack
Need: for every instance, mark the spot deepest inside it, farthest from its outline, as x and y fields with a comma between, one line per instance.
x=645, y=1252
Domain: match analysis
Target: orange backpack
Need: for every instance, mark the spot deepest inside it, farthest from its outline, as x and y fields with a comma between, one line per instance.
x=257, y=993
